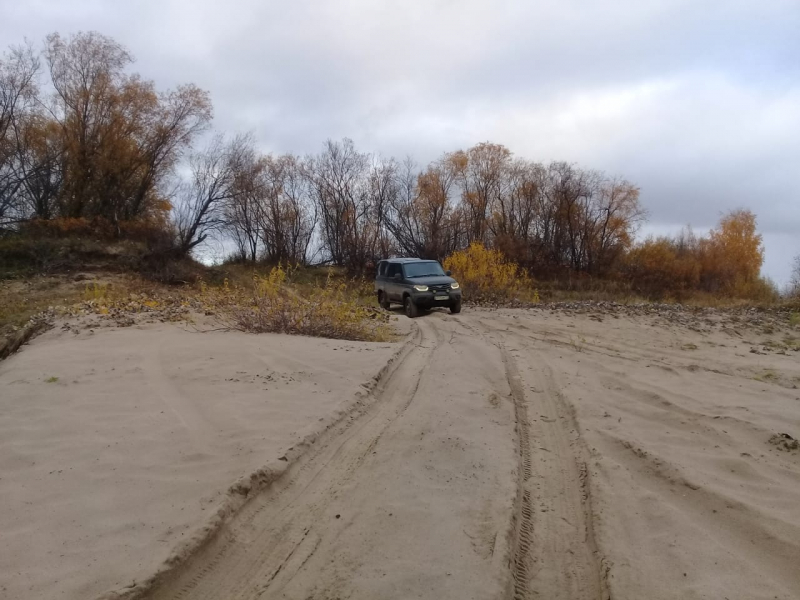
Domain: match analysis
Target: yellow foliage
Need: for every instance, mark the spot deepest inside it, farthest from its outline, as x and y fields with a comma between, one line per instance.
x=725, y=264
x=96, y=291
x=331, y=310
x=272, y=304
x=734, y=255
x=486, y=274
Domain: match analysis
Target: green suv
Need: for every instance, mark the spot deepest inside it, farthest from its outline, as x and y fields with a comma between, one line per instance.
x=416, y=284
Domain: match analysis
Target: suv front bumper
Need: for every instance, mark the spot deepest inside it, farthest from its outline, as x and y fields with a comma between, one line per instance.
x=430, y=299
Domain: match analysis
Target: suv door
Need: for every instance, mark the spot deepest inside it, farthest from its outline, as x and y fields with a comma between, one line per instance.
x=390, y=285
x=381, y=278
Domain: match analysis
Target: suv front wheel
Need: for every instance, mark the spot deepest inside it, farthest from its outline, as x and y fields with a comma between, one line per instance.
x=412, y=310
x=455, y=307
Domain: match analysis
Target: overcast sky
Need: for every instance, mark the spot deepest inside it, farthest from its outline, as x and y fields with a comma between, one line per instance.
x=696, y=101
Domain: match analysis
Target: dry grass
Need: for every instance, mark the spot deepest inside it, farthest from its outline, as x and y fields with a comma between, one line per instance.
x=20, y=300
x=766, y=376
x=576, y=289
x=285, y=301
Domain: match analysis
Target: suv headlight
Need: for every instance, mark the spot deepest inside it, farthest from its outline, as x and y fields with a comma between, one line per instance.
x=421, y=288
x=455, y=285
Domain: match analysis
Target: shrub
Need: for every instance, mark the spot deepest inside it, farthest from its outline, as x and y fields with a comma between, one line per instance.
x=61, y=228
x=485, y=274
x=330, y=310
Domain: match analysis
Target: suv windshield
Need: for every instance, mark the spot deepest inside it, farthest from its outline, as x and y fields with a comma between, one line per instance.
x=422, y=269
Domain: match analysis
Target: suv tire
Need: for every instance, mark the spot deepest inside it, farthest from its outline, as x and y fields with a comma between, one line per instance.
x=382, y=300
x=455, y=308
x=412, y=310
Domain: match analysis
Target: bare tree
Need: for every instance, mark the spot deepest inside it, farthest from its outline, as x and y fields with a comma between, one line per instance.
x=384, y=187
x=243, y=209
x=515, y=214
x=423, y=216
x=612, y=222
x=39, y=166
x=201, y=204
x=339, y=184
x=794, y=281
x=287, y=216
x=18, y=90
x=482, y=174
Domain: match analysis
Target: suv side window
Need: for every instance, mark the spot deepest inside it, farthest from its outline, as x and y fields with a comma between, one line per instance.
x=392, y=270
x=382, y=268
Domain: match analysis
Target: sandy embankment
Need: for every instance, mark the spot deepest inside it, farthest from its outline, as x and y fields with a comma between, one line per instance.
x=116, y=446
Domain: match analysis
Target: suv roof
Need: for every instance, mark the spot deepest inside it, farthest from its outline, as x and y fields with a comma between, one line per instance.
x=407, y=260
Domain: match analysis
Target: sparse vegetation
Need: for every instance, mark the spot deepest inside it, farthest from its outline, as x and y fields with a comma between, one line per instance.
x=766, y=376
x=578, y=344
x=784, y=442
x=271, y=304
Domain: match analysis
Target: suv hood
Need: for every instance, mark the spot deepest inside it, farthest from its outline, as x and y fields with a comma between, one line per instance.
x=432, y=280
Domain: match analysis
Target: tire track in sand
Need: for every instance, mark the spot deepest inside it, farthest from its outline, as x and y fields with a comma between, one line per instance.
x=277, y=532
x=553, y=552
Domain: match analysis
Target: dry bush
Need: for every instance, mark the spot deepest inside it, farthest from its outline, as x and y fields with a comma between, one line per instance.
x=331, y=310
x=574, y=288
x=486, y=275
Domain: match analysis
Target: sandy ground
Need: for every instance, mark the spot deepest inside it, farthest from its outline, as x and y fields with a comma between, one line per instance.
x=672, y=428
x=493, y=454
x=116, y=446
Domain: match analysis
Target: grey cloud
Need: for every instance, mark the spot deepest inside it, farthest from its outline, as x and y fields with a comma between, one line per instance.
x=696, y=102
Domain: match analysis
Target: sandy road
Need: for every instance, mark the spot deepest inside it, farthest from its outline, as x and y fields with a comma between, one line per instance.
x=499, y=454
x=682, y=492
x=430, y=491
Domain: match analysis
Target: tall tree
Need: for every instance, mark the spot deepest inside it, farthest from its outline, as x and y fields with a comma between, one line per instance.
x=482, y=174
x=120, y=137
x=200, y=210
x=18, y=90
x=339, y=181
x=735, y=252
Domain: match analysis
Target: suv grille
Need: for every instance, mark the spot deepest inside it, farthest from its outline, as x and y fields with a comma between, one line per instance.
x=441, y=287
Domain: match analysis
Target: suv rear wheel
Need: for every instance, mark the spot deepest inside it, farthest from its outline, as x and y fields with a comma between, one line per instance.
x=412, y=310
x=383, y=301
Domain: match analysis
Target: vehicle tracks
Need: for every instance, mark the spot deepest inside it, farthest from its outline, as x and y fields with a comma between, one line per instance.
x=554, y=554
x=274, y=534
x=289, y=541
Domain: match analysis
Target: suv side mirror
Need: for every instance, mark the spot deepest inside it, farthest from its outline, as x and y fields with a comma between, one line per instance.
x=448, y=273
x=398, y=277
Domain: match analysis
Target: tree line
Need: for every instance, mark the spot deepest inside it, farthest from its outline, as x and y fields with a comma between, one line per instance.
x=84, y=141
